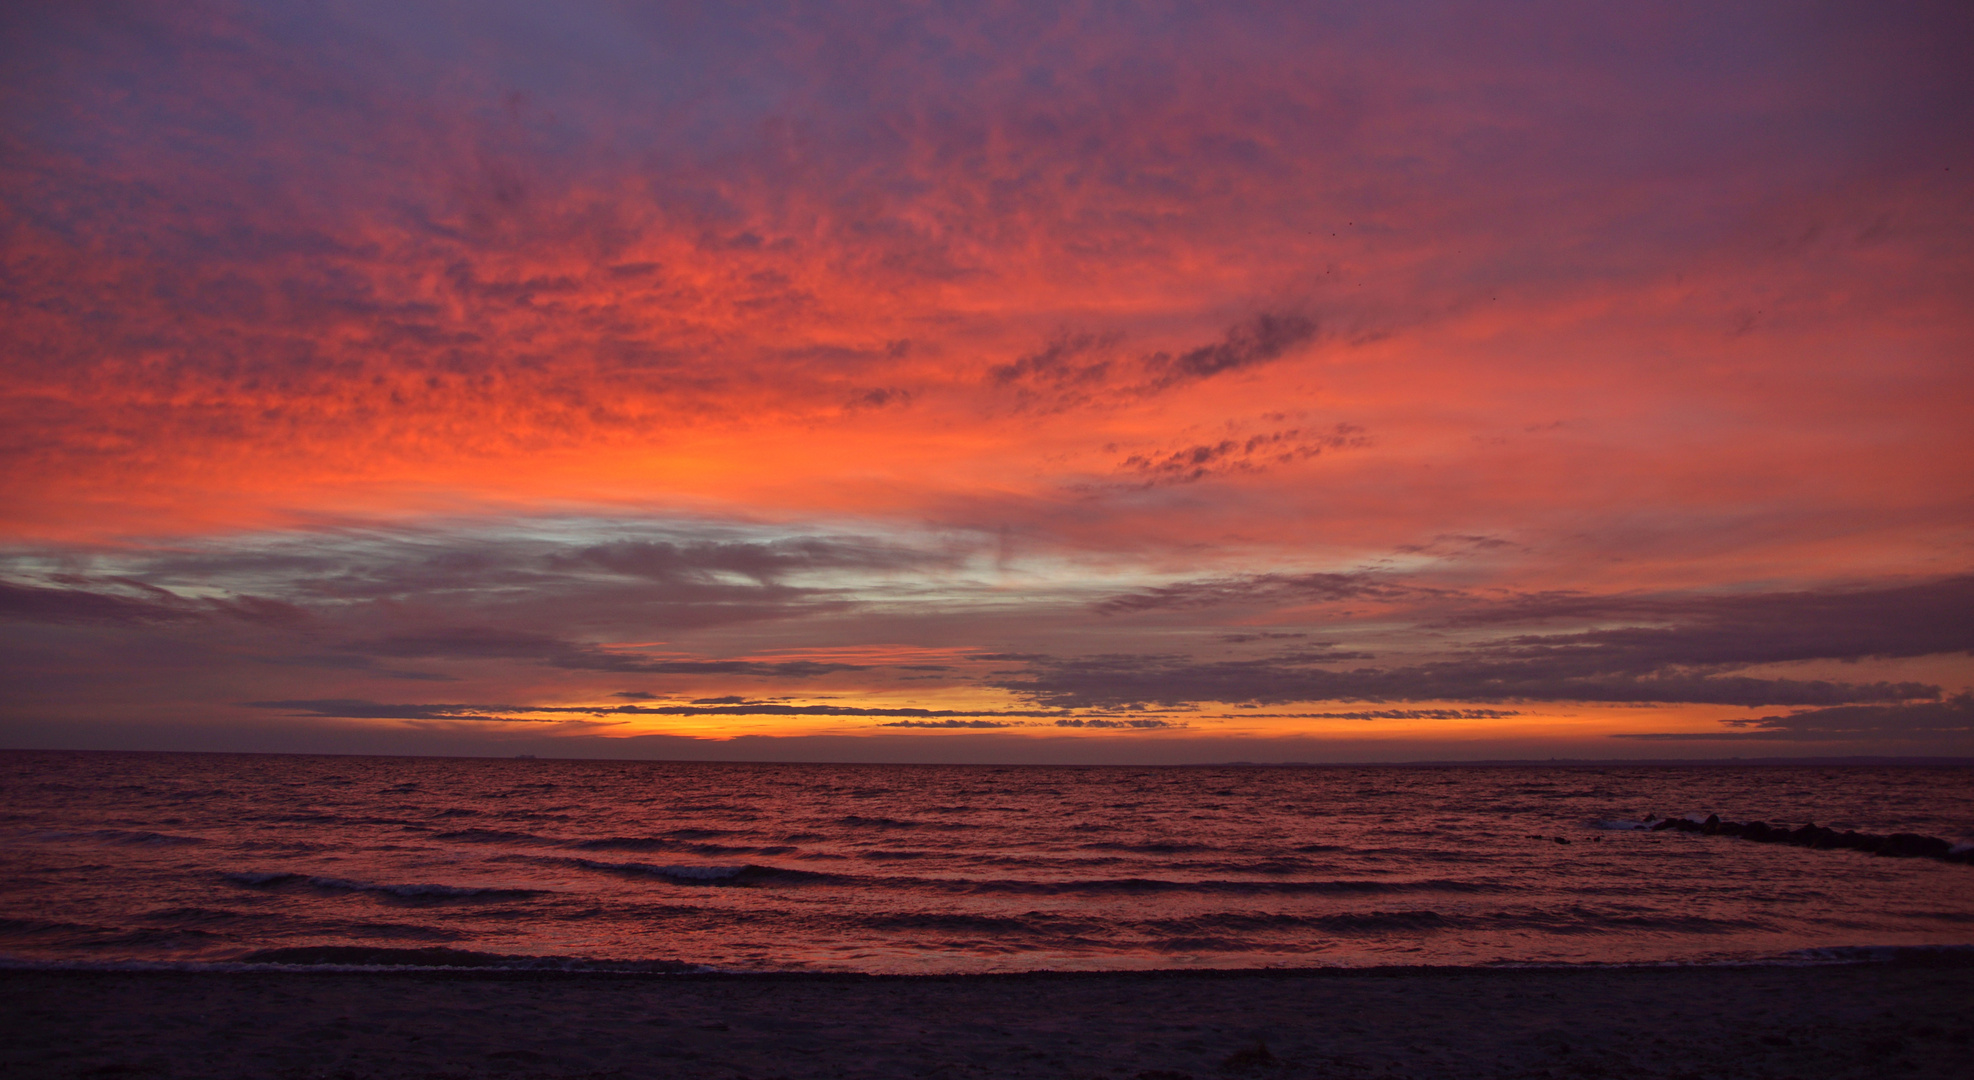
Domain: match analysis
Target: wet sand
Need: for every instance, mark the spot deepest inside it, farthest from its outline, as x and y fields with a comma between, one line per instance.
x=1840, y=1021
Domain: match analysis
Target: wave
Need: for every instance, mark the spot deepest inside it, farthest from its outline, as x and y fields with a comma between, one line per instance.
x=492, y=836
x=1137, y=886
x=627, y=843
x=254, y=879
x=756, y=874
x=149, y=839
x=203, y=916
x=1957, y=956
x=1593, y=922
x=1212, y=945
x=278, y=878
x=701, y=874
x=46, y=933
x=421, y=891
x=1271, y=867
x=391, y=931
x=32, y=928
x=1032, y=922
x=1360, y=922
x=120, y=836
x=857, y=822
x=332, y=957
x=1208, y=932
x=674, y=843
x=1571, y=921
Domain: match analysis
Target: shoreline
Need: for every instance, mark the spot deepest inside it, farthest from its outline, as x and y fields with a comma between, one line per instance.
x=1828, y=1019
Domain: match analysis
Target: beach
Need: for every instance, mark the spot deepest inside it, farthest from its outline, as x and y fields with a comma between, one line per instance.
x=1911, y=1018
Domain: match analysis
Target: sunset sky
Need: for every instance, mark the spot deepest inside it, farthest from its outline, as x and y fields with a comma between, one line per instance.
x=988, y=382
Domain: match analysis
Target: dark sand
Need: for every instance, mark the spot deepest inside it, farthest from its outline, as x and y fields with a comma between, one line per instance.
x=1851, y=1021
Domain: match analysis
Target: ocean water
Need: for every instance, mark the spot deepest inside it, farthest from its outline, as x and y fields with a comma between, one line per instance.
x=116, y=858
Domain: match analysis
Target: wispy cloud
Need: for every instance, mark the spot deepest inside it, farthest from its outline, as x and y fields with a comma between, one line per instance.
x=131, y=602
x=1122, y=681
x=1932, y=722
x=1252, y=454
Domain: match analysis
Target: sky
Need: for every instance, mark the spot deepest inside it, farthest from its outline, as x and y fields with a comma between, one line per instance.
x=988, y=382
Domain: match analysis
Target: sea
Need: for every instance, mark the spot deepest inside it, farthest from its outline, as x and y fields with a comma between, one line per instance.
x=223, y=861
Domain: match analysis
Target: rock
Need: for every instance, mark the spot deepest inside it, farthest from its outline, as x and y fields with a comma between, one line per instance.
x=1912, y=844
x=1811, y=835
x=1253, y=1057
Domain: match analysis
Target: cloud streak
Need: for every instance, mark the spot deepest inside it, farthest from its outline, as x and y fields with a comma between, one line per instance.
x=1921, y=722
x=1135, y=680
x=136, y=604
x=346, y=708
x=1689, y=658
x=1253, y=454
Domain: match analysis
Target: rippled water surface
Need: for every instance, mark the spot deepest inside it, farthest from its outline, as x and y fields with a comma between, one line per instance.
x=198, y=857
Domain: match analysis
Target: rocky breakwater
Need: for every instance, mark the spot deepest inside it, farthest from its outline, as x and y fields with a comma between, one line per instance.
x=1903, y=845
